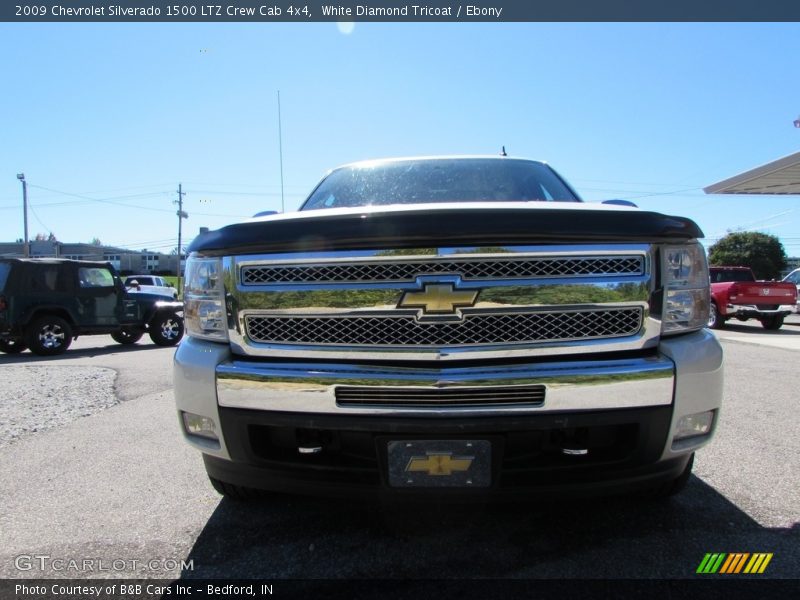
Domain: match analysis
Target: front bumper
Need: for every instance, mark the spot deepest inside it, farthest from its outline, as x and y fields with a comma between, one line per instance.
x=627, y=407
x=525, y=454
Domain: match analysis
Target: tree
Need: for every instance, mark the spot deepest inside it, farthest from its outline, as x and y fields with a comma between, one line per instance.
x=96, y=241
x=761, y=252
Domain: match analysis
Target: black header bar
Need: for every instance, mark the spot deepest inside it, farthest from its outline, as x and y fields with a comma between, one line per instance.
x=423, y=11
x=709, y=588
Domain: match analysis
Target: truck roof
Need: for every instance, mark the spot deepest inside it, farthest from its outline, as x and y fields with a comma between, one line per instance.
x=53, y=261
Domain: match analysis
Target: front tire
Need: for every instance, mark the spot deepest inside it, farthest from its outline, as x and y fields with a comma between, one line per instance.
x=127, y=336
x=12, y=346
x=48, y=336
x=676, y=486
x=166, y=329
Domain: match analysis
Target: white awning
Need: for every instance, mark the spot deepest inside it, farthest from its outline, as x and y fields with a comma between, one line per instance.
x=781, y=176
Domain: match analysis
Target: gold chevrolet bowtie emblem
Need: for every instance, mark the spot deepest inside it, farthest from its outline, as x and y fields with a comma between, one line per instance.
x=438, y=298
x=439, y=464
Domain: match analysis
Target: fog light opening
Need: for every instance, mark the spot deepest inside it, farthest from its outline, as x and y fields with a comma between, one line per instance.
x=573, y=442
x=312, y=441
x=695, y=425
x=200, y=426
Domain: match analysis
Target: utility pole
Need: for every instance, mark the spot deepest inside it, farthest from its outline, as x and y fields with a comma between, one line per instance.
x=26, y=249
x=181, y=216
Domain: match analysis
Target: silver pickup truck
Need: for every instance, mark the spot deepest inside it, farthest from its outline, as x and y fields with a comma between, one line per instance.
x=449, y=327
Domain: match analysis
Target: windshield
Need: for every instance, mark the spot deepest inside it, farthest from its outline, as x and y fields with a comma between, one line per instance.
x=140, y=280
x=731, y=275
x=439, y=180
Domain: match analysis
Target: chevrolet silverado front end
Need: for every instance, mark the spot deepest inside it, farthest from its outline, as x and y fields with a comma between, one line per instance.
x=464, y=327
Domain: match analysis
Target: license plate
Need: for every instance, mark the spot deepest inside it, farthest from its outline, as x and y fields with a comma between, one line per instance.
x=440, y=463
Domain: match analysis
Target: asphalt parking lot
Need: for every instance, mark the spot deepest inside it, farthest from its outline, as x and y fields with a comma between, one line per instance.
x=120, y=485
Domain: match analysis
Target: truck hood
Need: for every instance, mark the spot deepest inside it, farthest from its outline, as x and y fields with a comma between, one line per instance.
x=426, y=225
x=147, y=298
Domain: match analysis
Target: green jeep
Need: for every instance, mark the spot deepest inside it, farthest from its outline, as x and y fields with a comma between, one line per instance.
x=46, y=303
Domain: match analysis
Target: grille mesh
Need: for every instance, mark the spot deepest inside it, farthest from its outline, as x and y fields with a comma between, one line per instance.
x=467, y=269
x=516, y=328
x=529, y=395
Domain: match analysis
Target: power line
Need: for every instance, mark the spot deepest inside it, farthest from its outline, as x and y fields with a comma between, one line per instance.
x=81, y=202
x=36, y=216
x=616, y=191
x=128, y=205
x=661, y=183
x=227, y=193
x=102, y=201
x=146, y=243
x=244, y=185
x=649, y=195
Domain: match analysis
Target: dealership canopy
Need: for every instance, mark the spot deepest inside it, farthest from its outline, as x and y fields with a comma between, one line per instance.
x=781, y=176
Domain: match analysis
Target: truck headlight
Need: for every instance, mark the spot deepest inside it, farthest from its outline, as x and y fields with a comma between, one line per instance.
x=204, y=299
x=686, y=288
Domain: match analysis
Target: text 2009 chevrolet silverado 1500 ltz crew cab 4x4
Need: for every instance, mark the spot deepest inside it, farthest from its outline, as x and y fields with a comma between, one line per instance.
x=448, y=327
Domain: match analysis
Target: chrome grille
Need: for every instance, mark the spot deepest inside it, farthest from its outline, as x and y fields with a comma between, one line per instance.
x=407, y=271
x=474, y=329
x=529, y=395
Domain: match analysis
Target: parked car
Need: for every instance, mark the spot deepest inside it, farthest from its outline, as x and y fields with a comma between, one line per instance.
x=150, y=284
x=794, y=277
x=46, y=303
x=736, y=293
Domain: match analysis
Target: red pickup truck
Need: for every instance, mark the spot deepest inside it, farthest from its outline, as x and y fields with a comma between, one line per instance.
x=735, y=292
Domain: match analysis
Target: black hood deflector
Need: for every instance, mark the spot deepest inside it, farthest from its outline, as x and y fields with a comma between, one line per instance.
x=443, y=227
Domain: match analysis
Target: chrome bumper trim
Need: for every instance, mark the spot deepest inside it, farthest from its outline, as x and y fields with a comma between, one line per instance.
x=578, y=385
x=735, y=309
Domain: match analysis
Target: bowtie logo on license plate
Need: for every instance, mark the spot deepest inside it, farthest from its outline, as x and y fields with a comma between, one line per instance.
x=439, y=464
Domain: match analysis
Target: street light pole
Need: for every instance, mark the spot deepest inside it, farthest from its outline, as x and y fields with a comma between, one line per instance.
x=26, y=250
x=280, y=150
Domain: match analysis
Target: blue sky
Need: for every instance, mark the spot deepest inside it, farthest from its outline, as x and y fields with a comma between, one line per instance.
x=106, y=119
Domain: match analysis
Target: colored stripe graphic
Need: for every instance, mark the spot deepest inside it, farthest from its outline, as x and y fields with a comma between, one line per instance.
x=703, y=563
x=758, y=563
x=711, y=563
x=734, y=563
x=729, y=563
